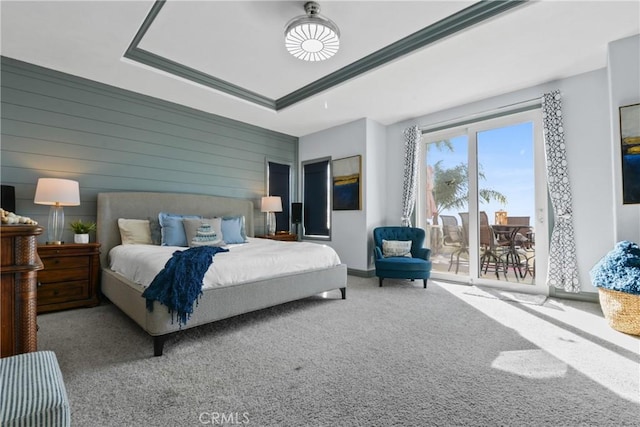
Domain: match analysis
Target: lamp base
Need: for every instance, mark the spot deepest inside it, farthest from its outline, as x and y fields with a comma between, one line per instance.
x=271, y=223
x=55, y=225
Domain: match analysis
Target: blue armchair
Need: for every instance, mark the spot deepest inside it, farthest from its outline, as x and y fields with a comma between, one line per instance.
x=418, y=266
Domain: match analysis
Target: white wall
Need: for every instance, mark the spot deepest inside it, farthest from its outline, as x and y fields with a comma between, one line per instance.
x=624, y=89
x=587, y=134
x=375, y=185
x=351, y=233
x=347, y=227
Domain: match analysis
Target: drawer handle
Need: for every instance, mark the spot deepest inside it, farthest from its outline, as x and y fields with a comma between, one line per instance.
x=39, y=283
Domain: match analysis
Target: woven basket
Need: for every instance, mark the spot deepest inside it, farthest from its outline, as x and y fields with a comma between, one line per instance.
x=622, y=310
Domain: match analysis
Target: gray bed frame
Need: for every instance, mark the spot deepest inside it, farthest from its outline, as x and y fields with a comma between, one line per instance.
x=216, y=303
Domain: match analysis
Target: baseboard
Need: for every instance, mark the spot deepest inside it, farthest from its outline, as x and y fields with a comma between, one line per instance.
x=579, y=296
x=361, y=273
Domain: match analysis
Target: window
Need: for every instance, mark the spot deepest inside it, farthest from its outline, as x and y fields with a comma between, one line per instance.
x=316, y=199
x=279, y=184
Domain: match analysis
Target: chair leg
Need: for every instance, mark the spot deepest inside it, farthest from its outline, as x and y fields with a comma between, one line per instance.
x=425, y=283
x=380, y=281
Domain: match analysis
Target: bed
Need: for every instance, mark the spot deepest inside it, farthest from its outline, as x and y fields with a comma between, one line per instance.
x=217, y=302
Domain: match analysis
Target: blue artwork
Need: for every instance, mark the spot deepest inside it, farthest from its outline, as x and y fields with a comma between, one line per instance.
x=346, y=184
x=630, y=135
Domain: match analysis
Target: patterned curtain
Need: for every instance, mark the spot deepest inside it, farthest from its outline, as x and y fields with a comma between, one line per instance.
x=563, y=269
x=412, y=137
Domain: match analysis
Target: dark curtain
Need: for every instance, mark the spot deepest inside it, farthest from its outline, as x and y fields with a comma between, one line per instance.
x=316, y=200
x=279, y=183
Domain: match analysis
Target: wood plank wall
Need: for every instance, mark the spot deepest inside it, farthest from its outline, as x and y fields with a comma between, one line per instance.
x=108, y=139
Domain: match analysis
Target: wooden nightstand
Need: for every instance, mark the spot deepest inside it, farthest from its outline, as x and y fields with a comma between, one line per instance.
x=281, y=237
x=70, y=276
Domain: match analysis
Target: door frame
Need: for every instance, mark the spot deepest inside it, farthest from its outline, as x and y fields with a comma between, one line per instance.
x=541, y=201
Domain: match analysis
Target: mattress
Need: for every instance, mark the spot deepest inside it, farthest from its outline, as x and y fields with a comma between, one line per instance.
x=258, y=259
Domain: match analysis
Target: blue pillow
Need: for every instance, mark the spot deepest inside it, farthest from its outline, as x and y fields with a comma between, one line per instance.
x=233, y=229
x=172, y=230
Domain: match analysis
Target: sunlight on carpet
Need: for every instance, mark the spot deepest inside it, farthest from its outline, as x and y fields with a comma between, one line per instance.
x=530, y=364
x=564, y=332
x=506, y=295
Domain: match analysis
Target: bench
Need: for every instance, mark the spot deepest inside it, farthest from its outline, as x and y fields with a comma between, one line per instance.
x=33, y=392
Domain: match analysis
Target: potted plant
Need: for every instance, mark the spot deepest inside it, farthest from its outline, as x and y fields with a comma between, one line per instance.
x=81, y=230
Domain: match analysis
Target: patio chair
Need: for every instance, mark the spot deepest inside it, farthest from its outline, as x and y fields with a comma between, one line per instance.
x=454, y=236
x=491, y=254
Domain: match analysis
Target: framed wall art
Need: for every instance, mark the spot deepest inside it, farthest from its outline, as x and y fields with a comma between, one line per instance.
x=630, y=140
x=347, y=188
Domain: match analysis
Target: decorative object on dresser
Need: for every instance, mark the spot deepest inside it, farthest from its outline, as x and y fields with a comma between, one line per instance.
x=18, y=267
x=271, y=204
x=70, y=276
x=81, y=230
x=57, y=193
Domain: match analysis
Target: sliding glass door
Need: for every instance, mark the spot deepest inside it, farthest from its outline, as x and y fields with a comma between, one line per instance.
x=484, y=202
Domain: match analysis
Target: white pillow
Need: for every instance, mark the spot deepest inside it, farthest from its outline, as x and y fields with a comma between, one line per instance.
x=396, y=248
x=134, y=231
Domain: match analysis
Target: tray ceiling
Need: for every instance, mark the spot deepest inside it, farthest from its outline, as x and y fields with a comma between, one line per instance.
x=241, y=43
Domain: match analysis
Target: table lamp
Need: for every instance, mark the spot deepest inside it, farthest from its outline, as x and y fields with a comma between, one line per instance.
x=57, y=193
x=271, y=204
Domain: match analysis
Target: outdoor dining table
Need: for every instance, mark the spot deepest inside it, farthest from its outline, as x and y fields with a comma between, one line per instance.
x=506, y=235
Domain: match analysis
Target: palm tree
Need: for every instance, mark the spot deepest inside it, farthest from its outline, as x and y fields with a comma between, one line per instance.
x=451, y=188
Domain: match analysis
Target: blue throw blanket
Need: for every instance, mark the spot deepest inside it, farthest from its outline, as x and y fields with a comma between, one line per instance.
x=179, y=284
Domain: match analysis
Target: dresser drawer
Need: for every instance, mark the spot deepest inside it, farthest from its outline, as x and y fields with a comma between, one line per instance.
x=65, y=275
x=65, y=262
x=51, y=293
x=70, y=278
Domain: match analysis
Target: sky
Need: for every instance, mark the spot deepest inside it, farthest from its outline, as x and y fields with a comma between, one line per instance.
x=506, y=157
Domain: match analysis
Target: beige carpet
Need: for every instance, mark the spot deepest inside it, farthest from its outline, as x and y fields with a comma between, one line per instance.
x=398, y=355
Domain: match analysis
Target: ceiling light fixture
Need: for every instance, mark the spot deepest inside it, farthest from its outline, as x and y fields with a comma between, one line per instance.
x=312, y=37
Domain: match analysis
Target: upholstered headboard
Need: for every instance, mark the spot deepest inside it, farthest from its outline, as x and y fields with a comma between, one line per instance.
x=143, y=205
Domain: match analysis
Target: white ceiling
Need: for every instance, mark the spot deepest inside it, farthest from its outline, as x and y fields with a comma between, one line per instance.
x=241, y=42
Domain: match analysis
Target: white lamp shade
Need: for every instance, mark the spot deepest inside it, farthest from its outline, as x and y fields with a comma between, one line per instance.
x=271, y=204
x=56, y=191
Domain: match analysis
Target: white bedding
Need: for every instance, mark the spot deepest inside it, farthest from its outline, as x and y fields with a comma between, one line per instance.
x=248, y=262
